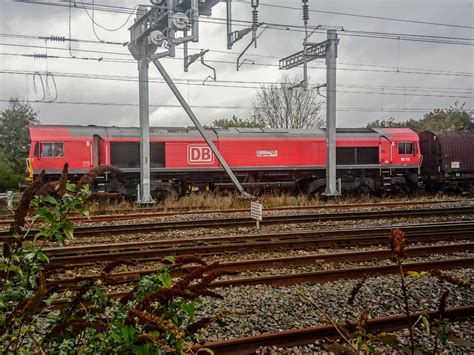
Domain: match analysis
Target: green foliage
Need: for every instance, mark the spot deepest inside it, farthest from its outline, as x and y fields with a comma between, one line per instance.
x=8, y=179
x=155, y=317
x=234, y=121
x=453, y=119
x=14, y=137
x=52, y=213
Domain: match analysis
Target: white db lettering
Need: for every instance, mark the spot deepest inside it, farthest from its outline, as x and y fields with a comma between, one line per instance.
x=199, y=154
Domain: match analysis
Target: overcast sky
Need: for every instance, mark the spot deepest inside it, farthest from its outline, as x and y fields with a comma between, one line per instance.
x=365, y=62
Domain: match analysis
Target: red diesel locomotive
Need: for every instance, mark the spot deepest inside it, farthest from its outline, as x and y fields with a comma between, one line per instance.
x=367, y=159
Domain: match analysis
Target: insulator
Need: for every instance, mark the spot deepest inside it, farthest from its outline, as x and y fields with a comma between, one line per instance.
x=255, y=18
x=57, y=38
x=40, y=56
x=305, y=12
x=254, y=3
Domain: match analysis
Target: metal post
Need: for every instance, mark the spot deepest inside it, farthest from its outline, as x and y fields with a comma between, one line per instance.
x=305, y=44
x=201, y=130
x=144, y=131
x=331, y=55
x=229, y=23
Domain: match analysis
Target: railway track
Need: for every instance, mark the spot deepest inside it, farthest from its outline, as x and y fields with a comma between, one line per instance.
x=154, y=212
x=294, y=261
x=304, y=336
x=269, y=220
x=152, y=250
x=286, y=279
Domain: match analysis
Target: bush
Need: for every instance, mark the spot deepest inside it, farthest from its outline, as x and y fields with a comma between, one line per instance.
x=156, y=316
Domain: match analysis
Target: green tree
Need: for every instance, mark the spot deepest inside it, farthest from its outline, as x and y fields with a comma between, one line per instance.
x=235, y=122
x=8, y=180
x=455, y=118
x=14, y=138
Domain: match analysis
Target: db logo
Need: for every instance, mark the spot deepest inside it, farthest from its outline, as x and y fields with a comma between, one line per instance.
x=200, y=154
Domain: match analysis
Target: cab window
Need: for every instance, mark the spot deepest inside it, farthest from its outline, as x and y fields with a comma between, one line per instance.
x=52, y=150
x=405, y=148
x=36, y=152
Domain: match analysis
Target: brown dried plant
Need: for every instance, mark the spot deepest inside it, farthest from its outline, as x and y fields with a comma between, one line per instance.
x=443, y=302
x=21, y=211
x=397, y=244
x=356, y=289
x=58, y=187
x=89, y=177
x=445, y=276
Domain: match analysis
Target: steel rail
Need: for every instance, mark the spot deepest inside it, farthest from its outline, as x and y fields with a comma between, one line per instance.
x=126, y=215
x=143, y=251
x=305, y=336
x=327, y=275
x=246, y=221
x=294, y=261
x=352, y=273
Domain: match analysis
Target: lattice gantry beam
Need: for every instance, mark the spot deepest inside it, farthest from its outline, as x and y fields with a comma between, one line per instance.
x=313, y=51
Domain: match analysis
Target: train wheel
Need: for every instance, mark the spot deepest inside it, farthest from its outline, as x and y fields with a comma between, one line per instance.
x=363, y=190
x=164, y=193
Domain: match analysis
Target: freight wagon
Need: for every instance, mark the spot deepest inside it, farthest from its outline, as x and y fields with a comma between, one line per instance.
x=448, y=160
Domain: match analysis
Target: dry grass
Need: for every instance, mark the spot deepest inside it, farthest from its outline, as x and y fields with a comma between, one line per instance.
x=212, y=201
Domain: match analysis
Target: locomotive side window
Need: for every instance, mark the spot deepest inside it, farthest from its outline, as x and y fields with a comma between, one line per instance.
x=36, y=152
x=357, y=155
x=52, y=150
x=125, y=154
x=405, y=148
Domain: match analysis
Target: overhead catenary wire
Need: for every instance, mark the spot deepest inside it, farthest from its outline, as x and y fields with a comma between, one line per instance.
x=131, y=61
x=236, y=83
x=214, y=51
x=187, y=82
x=220, y=107
x=298, y=28
x=384, y=18
x=101, y=26
x=128, y=10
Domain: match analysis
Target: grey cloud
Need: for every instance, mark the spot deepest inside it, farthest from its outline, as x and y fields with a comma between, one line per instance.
x=46, y=20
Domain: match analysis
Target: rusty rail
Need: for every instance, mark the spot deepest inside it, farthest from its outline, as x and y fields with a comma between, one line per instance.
x=157, y=212
x=285, y=262
x=304, y=336
x=152, y=250
x=247, y=221
x=327, y=275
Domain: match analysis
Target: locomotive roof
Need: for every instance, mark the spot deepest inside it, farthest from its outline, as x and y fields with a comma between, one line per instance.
x=42, y=131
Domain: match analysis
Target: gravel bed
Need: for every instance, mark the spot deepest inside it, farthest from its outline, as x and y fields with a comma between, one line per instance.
x=317, y=211
x=219, y=231
x=460, y=341
x=199, y=215
x=96, y=269
x=267, y=308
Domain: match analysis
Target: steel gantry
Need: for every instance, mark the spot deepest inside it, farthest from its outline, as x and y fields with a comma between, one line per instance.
x=311, y=51
x=157, y=30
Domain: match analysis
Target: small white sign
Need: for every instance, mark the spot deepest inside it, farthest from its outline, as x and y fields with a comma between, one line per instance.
x=455, y=165
x=267, y=153
x=256, y=211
